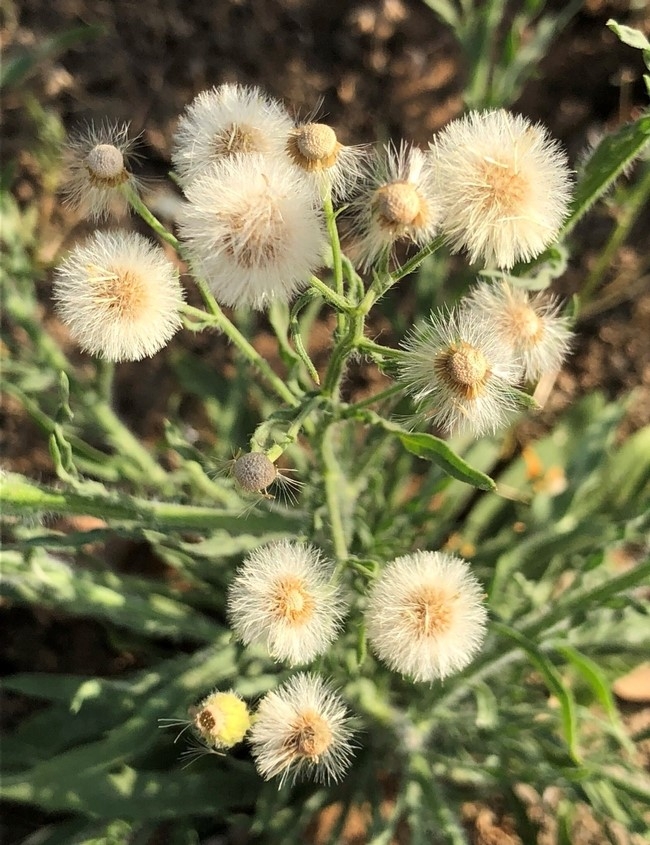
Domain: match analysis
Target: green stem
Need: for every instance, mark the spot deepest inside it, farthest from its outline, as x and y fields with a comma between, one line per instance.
x=384, y=281
x=332, y=479
x=217, y=318
x=388, y=393
x=20, y=495
x=342, y=350
x=337, y=262
x=292, y=432
x=338, y=301
x=151, y=220
x=366, y=345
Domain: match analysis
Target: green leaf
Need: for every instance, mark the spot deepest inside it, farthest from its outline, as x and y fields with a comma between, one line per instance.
x=628, y=35
x=554, y=683
x=18, y=68
x=135, y=604
x=609, y=160
x=593, y=676
x=434, y=449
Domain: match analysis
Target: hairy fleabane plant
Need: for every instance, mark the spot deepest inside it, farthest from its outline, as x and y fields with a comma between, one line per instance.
x=356, y=578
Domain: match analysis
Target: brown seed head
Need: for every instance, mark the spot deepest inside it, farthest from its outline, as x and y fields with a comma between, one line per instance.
x=105, y=166
x=398, y=204
x=310, y=735
x=208, y=721
x=254, y=472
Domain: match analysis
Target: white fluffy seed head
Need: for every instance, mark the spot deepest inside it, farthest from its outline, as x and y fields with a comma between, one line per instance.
x=254, y=472
x=96, y=175
x=329, y=165
x=398, y=202
x=528, y=323
x=252, y=230
x=461, y=373
x=504, y=186
x=302, y=730
x=283, y=597
x=425, y=617
x=228, y=120
x=119, y=295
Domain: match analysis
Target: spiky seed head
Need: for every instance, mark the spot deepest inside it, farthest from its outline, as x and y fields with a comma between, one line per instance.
x=283, y=597
x=119, y=295
x=461, y=372
x=252, y=229
x=425, y=616
x=221, y=719
x=97, y=174
x=254, y=472
x=504, y=186
x=302, y=729
x=398, y=202
x=228, y=120
x=528, y=323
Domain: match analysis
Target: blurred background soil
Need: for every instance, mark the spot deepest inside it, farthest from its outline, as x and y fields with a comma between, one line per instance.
x=375, y=70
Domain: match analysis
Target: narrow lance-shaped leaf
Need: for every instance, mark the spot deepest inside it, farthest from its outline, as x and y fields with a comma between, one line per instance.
x=554, y=683
x=610, y=158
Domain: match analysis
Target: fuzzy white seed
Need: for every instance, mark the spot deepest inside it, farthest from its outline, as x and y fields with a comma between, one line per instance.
x=425, y=616
x=225, y=121
x=96, y=175
x=119, y=295
x=398, y=202
x=504, y=186
x=283, y=597
x=461, y=373
x=302, y=729
x=252, y=229
x=528, y=323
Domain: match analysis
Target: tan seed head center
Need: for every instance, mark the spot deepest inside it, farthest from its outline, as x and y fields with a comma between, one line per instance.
x=398, y=204
x=464, y=369
x=502, y=187
x=105, y=166
x=527, y=326
x=237, y=138
x=430, y=612
x=316, y=141
x=291, y=601
x=310, y=735
x=119, y=290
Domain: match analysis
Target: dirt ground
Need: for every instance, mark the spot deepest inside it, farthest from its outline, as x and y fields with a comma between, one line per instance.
x=374, y=69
